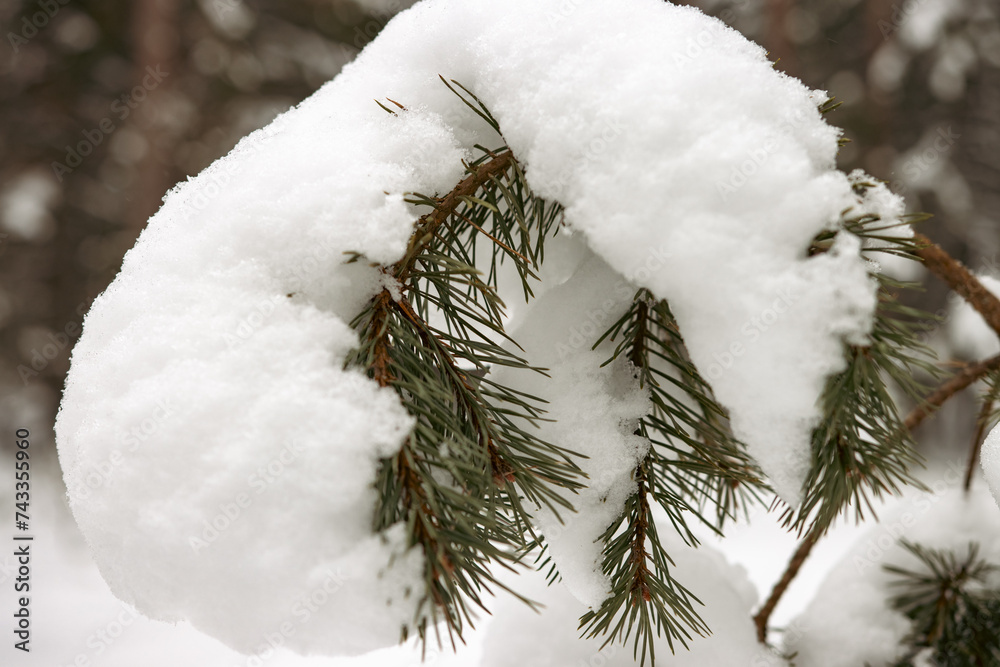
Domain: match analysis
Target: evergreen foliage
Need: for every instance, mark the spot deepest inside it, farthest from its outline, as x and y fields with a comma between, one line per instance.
x=693, y=463
x=861, y=449
x=473, y=470
x=432, y=334
x=954, y=610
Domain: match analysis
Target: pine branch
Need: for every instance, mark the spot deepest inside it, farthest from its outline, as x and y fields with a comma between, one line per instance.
x=862, y=449
x=445, y=207
x=473, y=457
x=968, y=374
x=955, y=616
x=693, y=456
x=693, y=447
x=763, y=616
x=960, y=279
x=982, y=423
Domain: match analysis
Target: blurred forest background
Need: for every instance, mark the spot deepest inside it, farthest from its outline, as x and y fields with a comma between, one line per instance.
x=105, y=105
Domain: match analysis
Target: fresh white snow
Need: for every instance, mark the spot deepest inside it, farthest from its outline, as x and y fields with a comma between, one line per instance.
x=989, y=461
x=209, y=374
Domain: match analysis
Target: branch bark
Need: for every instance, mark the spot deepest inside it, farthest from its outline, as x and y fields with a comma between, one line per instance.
x=977, y=440
x=428, y=225
x=794, y=565
x=960, y=279
x=640, y=557
x=969, y=374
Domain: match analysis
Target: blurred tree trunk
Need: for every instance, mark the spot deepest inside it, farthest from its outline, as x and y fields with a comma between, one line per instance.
x=156, y=44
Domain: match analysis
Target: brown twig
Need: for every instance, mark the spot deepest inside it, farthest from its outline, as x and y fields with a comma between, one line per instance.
x=413, y=495
x=960, y=279
x=977, y=442
x=428, y=225
x=965, y=377
x=639, y=555
x=794, y=565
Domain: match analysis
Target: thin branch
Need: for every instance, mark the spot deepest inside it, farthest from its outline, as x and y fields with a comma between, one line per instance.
x=640, y=577
x=964, y=283
x=794, y=565
x=960, y=279
x=977, y=442
x=428, y=225
x=965, y=377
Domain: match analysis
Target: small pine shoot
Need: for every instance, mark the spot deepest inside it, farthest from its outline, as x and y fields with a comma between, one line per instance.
x=862, y=450
x=461, y=478
x=954, y=610
x=693, y=462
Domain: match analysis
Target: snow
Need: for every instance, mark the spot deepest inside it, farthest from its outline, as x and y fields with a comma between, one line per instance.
x=216, y=355
x=968, y=332
x=850, y=621
x=594, y=412
x=77, y=622
x=518, y=636
x=990, y=461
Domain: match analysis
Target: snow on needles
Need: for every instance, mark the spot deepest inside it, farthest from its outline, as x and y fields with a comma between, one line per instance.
x=218, y=457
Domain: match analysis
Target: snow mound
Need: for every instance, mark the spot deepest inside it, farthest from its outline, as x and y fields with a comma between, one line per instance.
x=219, y=460
x=850, y=621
